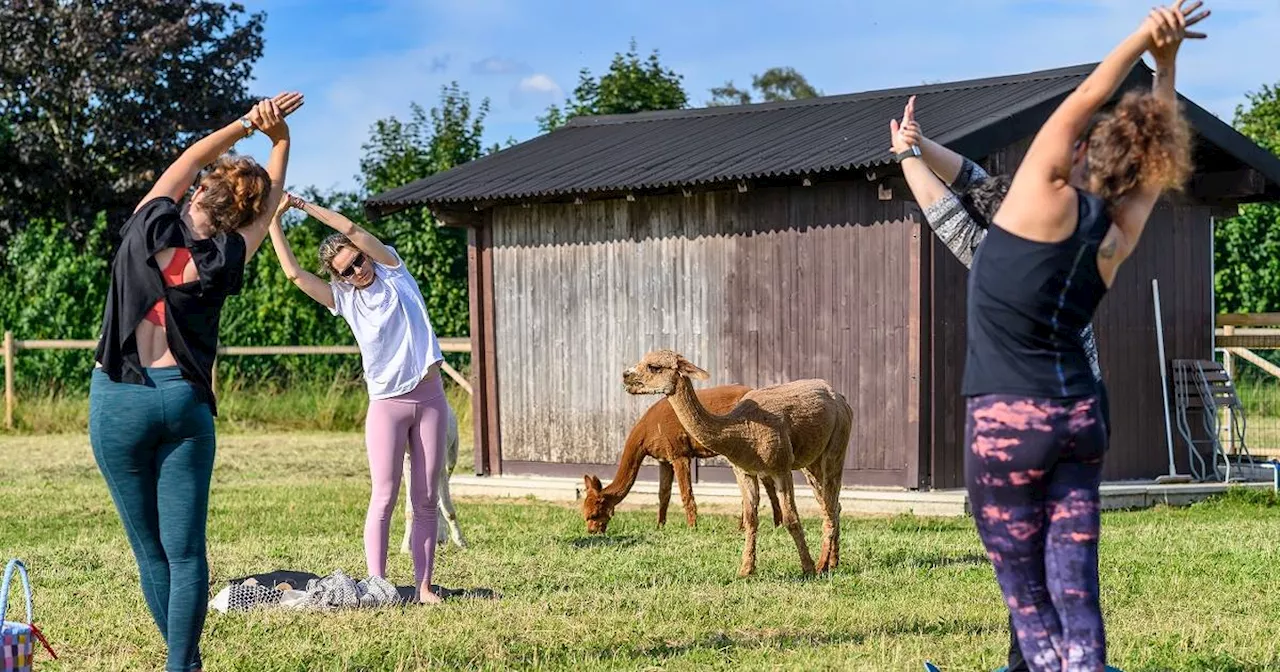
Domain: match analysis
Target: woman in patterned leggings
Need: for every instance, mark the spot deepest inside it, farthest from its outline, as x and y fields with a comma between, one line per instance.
x=1035, y=434
x=959, y=199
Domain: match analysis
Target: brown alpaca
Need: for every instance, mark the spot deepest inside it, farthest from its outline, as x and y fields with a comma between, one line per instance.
x=802, y=425
x=659, y=435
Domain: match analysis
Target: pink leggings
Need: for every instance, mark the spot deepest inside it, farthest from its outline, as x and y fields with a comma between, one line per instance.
x=416, y=418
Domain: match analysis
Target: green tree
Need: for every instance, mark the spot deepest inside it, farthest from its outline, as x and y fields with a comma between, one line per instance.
x=54, y=288
x=772, y=85
x=630, y=85
x=1247, y=247
x=99, y=96
x=399, y=152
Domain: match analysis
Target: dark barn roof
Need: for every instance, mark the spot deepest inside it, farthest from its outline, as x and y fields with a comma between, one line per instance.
x=608, y=155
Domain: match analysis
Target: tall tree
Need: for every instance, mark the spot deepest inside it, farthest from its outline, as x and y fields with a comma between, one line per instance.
x=630, y=85
x=1247, y=247
x=97, y=96
x=399, y=152
x=772, y=85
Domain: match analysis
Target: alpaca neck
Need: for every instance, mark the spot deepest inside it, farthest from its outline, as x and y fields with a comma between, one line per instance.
x=703, y=426
x=628, y=467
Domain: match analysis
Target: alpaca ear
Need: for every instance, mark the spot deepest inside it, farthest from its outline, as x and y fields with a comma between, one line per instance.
x=592, y=482
x=687, y=368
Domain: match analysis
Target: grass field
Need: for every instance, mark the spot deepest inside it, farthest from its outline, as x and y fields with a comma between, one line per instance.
x=1184, y=589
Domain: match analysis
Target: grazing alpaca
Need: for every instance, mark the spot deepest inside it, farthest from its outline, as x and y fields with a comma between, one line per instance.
x=659, y=435
x=448, y=514
x=801, y=425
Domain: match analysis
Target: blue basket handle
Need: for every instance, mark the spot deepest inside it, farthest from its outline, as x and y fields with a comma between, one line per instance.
x=4, y=587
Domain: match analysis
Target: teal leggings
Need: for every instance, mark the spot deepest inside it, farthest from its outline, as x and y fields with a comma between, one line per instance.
x=154, y=444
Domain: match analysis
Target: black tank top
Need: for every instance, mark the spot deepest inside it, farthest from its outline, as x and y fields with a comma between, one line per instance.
x=1028, y=303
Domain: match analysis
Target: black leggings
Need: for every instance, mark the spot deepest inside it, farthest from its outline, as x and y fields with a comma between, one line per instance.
x=1032, y=468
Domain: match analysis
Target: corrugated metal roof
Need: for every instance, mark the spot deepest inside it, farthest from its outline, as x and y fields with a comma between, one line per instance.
x=674, y=148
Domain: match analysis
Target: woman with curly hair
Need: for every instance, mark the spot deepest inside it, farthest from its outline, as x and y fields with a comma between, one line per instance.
x=1035, y=433
x=151, y=403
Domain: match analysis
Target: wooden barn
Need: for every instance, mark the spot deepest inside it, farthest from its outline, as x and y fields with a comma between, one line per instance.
x=778, y=241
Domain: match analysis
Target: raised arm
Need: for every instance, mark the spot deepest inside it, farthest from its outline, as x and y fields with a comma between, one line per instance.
x=179, y=176
x=274, y=126
x=1039, y=205
x=307, y=281
x=925, y=186
x=941, y=206
x=363, y=240
x=1130, y=216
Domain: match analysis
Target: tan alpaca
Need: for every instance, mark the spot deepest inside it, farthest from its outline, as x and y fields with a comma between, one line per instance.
x=802, y=425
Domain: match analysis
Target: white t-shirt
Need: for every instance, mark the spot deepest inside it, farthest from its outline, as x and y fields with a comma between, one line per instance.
x=398, y=347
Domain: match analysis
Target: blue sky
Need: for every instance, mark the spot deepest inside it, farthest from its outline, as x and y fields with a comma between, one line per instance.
x=361, y=61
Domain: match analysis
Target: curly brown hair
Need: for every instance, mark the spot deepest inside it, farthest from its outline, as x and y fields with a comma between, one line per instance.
x=1142, y=142
x=235, y=192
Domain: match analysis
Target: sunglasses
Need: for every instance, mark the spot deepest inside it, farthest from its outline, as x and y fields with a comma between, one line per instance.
x=351, y=269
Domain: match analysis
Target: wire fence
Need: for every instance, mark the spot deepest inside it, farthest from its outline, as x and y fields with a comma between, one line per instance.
x=1248, y=346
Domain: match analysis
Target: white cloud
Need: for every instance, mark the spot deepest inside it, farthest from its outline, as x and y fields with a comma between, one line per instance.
x=540, y=84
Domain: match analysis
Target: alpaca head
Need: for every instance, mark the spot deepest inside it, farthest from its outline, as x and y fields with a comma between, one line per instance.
x=597, y=507
x=658, y=371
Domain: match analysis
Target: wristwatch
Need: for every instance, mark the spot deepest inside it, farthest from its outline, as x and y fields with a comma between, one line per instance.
x=248, y=126
x=906, y=154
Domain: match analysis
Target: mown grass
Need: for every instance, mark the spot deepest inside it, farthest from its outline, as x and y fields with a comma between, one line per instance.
x=1184, y=589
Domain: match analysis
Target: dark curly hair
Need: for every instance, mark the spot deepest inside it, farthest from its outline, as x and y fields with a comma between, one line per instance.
x=983, y=198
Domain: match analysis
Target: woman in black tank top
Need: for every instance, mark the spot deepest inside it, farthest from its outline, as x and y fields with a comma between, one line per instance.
x=1034, y=431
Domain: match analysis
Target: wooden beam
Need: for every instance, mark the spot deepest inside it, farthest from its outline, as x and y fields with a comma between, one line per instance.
x=1217, y=211
x=1254, y=359
x=457, y=216
x=1248, y=320
x=1228, y=185
x=479, y=396
x=489, y=350
x=9, y=354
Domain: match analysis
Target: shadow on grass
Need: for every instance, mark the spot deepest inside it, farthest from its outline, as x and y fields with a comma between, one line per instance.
x=604, y=541
x=724, y=642
x=410, y=594
x=931, y=560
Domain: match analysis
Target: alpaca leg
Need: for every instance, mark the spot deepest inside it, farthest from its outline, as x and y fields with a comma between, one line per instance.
x=831, y=509
x=448, y=512
x=826, y=489
x=665, y=474
x=815, y=482
x=408, y=507
x=683, y=479
x=832, y=482
x=750, y=488
x=772, y=490
x=791, y=519
x=450, y=515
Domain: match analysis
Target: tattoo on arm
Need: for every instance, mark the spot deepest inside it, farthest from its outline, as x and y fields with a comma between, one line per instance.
x=1108, y=248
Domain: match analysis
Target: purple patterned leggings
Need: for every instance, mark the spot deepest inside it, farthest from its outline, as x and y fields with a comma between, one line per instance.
x=1032, y=467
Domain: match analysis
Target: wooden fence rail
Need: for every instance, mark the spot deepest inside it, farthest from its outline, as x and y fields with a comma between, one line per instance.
x=11, y=348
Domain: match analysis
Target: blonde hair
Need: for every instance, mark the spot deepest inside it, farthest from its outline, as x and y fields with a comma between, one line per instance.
x=329, y=248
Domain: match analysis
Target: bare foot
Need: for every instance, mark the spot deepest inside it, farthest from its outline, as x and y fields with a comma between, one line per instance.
x=425, y=596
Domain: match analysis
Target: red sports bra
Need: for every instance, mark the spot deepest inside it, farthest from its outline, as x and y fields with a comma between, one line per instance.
x=172, y=275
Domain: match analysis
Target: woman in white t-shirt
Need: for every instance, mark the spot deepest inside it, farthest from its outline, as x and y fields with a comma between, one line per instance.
x=379, y=299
